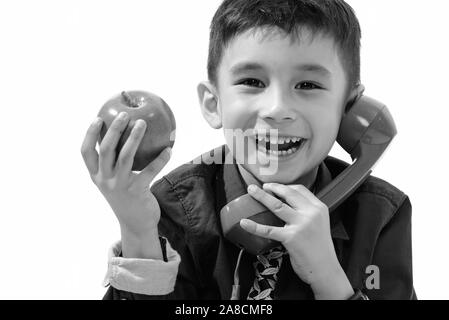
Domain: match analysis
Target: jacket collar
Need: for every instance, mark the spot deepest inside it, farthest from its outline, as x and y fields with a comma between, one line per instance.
x=234, y=186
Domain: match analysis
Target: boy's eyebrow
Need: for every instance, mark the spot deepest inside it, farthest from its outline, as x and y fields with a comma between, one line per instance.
x=313, y=68
x=254, y=66
x=246, y=66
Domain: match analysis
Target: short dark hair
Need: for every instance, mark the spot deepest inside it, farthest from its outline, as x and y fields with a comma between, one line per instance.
x=330, y=17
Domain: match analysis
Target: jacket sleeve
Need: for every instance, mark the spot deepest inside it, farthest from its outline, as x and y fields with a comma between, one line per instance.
x=393, y=259
x=145, y=276
x=173, y=226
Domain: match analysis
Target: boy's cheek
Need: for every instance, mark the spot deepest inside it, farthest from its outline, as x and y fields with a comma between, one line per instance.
x=237, y=118
x=325, y=130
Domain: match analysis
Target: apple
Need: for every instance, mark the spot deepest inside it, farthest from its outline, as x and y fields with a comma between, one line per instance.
x=161, y=126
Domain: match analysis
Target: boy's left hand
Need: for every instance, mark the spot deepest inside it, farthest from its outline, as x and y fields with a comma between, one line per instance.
x=306, y=234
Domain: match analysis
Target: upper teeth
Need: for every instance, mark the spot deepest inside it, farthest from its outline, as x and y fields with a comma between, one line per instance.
x=278, y=140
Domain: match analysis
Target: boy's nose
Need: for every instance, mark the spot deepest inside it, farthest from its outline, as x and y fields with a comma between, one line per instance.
x=278, y=109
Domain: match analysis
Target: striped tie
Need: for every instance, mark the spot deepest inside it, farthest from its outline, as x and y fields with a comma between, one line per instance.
x=267, y=266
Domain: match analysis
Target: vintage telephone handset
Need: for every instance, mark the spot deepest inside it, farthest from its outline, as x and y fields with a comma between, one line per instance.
x=366, y=130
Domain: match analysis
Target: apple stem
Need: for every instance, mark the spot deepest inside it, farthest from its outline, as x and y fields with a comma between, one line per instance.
x=129, y=100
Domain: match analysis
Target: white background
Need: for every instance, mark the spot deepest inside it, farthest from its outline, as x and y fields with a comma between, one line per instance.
x=61, y=60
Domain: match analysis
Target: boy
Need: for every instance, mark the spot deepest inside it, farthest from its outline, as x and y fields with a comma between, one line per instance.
x=291, y=66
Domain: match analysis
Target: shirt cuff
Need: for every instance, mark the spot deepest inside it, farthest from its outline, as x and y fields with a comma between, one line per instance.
x=143, y=276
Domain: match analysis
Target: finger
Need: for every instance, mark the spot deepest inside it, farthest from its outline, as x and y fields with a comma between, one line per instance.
x=127, y=153
x=109, y=143
x=261, y=230
x=292, y=196
x=147, y=175
x=279, y=208
x=88, y=151
x=305, y=193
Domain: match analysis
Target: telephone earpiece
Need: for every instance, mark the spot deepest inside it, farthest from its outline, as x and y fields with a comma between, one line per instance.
x=366, y=131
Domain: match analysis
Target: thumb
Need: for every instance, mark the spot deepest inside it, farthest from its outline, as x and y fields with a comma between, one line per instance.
x=146, y=176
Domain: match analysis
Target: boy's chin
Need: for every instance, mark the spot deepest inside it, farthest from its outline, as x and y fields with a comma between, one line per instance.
x=282, y=175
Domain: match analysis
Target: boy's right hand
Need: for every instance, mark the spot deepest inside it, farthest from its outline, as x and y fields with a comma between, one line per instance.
x=127, y=192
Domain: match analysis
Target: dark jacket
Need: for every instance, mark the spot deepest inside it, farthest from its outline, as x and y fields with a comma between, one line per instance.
x=372, y=227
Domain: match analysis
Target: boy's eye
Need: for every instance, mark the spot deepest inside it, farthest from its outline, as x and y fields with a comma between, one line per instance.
x=306, y=85
x=252, y=83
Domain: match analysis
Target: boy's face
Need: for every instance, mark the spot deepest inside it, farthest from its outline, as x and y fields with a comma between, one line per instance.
x=267, y=81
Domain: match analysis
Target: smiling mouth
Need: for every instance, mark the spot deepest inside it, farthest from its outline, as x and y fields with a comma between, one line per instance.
x=279, y=146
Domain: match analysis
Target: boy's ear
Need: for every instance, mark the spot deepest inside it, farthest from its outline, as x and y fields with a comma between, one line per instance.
x=354, y=95
x=209, y=104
